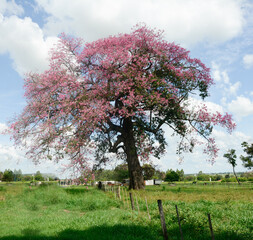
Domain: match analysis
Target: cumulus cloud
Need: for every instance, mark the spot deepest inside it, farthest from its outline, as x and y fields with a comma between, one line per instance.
x=223, y=80
x=184, y=21
x=25, y=44
x=218, y=75
x=248, y=60
x=12, y=158
x=193, y=103
x=241, y=107
x=197, y=161
x=10, y=7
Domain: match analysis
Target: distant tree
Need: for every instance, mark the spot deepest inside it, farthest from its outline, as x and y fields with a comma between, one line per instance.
x=181, y=174
x=248, y=160
x=171, y=176
x=8, y=176
x=216, y=177
x=104, y=174
x=27, y=178
x=1, y=175
x=38, y=176
x=231, y=157
x=17, y=175
x=159, y=174
x=121, y=172
x=247, y=175
x=227, y=176
x=189, y=178
x=148, y=171
x=203, y=177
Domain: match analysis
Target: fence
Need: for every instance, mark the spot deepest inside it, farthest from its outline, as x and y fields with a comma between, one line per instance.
x=130, y=201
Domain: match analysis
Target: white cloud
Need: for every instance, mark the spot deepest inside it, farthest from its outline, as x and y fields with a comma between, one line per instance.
x=198, y=103
x=222, y=78
x=248, y=60
x=184, y=21
x=12, y=158
x=218, y=75
x=233, y=88
x=241, y=107
x=10, y=7
x=3, y=127
x=25, y=43
x=197, y=161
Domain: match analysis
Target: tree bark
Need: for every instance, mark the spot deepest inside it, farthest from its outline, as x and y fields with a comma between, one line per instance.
x=134, y=167
x=236, y=176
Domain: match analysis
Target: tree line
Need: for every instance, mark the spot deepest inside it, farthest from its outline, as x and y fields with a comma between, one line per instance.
x=120, y=173
x=13, y=176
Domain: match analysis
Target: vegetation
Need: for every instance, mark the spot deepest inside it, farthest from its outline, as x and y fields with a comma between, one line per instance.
x=172, y=176
x=248, y=160
x=231, y=157
x=9, y=176
x=50, y=212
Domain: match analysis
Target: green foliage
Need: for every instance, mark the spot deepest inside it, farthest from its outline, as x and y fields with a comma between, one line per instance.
x=104, y=175
x=159, y=174
x=38, y=176
x=203, y=177
x=231, y=157
x=248, y=160
x=216, y=177
x=121, y=172
x=189, y=178
x=8, y=176
x=17, y=175
x=148, y=171
x=181, y=174
x=172, y=176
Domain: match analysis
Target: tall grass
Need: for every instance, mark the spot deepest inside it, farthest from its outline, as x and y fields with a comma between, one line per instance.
x=52, y=212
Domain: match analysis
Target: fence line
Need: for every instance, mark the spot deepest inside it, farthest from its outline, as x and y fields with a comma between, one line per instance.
x=129, y=203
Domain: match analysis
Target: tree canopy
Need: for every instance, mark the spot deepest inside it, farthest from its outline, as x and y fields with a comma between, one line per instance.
x=114, y=95
x=231, y=157
x=248, y=160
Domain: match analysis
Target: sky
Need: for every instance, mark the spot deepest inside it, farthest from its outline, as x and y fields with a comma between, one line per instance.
x=218, y=32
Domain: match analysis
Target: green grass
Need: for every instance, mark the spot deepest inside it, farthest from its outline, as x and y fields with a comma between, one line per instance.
x=52, y=212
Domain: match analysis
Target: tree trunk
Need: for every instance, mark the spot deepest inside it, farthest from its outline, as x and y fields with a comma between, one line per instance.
x=134, y=167
x=236, y=176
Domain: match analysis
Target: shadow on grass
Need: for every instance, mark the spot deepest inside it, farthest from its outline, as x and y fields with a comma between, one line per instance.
x=75, y=190
x=117, y=232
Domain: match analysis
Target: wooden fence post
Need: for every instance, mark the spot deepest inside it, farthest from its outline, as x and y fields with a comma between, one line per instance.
x=160, y=207
x=132, y=201
x=147, y=208
x=179, y=224
x=118, y=192
x=137, y=203
x=126, y=198
x=210, y=226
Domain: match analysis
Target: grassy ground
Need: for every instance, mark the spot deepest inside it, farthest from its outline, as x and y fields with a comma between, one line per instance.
x=52, y=212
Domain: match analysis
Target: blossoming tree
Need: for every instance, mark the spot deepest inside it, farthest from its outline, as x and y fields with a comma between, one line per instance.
x=114, y=95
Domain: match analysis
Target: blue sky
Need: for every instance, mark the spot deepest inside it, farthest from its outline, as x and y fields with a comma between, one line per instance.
x=218, y=32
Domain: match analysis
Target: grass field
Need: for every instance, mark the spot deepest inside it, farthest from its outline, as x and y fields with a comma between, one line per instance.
x=52, y=212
